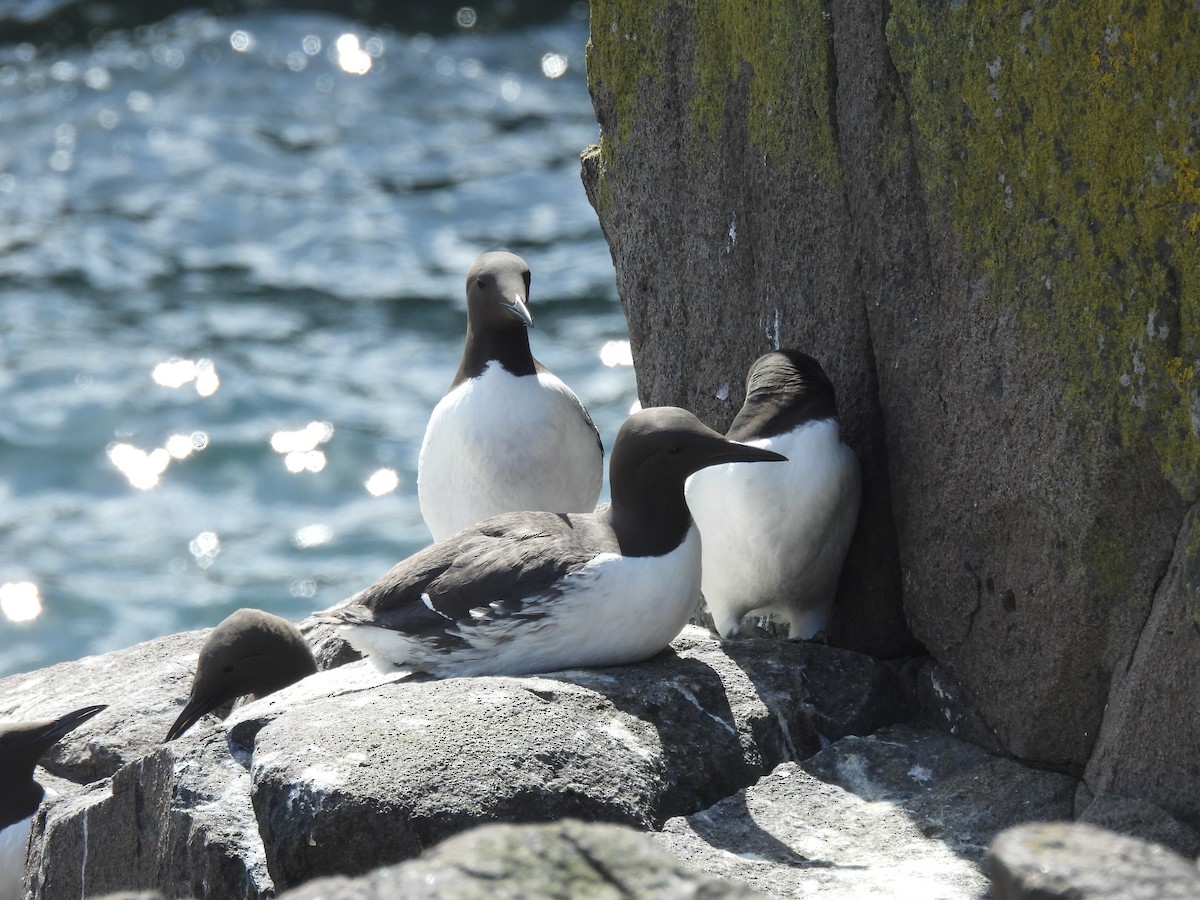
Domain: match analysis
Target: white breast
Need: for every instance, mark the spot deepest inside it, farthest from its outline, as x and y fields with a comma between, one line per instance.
x=614, y=611
x=502, y=443
x=775, y=535
x=14, y=841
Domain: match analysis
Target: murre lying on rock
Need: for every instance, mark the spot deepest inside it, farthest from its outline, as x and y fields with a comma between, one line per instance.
x=533, y=592
x=250, y=652
x=22, y=744
x=509, y=435
x=775, y=537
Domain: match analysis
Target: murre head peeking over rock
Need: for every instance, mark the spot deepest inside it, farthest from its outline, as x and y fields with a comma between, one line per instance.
x=775, y=537
x=537, y=591
x=508, y=435
x=22, y=744
x=250, y=652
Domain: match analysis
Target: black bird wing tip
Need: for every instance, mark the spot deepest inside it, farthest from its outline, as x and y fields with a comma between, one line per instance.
x=68, y=722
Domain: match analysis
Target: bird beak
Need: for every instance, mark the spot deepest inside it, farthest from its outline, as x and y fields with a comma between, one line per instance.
x=517, y=308
x=735, y=452
x=63, y=725
x=191, y=714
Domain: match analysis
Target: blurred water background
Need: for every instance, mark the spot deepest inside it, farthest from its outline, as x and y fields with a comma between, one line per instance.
x=232, y=256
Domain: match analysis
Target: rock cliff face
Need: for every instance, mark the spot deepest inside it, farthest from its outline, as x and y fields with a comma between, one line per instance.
x=984, y=220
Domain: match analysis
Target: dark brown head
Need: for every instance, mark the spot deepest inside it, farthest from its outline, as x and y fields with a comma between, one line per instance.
x=498, y=316
x=655, y=451
x=250, y=652
x=784, y=390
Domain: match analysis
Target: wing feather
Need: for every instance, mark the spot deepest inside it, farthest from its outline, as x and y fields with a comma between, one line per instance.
x=506, y=566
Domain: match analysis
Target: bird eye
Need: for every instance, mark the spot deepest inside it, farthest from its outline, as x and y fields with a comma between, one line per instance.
x=227, y=669
x=481, y=282
x=675, y=451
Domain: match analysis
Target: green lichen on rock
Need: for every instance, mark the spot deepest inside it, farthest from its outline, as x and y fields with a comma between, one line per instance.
x=781, y=49
x=783, y=46
x=1060, y=142
x=625, y=49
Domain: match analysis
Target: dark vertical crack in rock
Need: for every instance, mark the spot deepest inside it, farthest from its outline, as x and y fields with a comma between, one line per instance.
x=598, y=866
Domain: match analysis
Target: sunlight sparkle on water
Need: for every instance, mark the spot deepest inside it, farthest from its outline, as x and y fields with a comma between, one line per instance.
x=351, y=57
x=299, y=448
x=241, y=41
x=20, y=601
x=510, y=88
x=312, y=536
x=616, y=353
x=144, y=470
x=141, y=468
x=307, y=438
x=382, y=481
x=303, y=587
x=554, y=65
x=181, y=446
x=175, y=373
x=304, y=461
x=204, y=548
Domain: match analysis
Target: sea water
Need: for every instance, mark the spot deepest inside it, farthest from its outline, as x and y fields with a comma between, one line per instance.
x=232, y=264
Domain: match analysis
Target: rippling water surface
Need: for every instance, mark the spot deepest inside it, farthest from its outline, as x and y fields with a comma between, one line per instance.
x=232, y=255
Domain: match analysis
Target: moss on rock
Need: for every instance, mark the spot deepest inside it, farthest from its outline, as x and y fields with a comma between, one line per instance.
x=1059, y=142
x=781, y=47
x=625, y=49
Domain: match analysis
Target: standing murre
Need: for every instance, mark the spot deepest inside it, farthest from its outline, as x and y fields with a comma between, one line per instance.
x=508, y=435
x=775, y=537
x=533, y=592
x=249, y=652
x=22, y=744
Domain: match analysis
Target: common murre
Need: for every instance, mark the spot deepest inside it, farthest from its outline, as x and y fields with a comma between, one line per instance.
x=249, y=652
x=508, y=435
x=22, y=744
x=533, y=592
x=775, y=537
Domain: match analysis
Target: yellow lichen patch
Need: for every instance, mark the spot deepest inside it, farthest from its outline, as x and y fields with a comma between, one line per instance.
x=782, y=49
x=1187, y=195
x=778, y=51
x=625, y=49
x=1117, y=51
x=1056, y=141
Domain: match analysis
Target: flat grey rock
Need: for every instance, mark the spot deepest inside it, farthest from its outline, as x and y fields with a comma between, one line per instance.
x=560, y=861
x=349, y=770
x=903, y=813
x=1048, y=861
x=144, y=686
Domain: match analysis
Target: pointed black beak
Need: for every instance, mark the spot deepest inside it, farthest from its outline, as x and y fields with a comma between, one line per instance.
x=191, y=714
x=517, y=309
x=63, y=725
x=735, y=452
